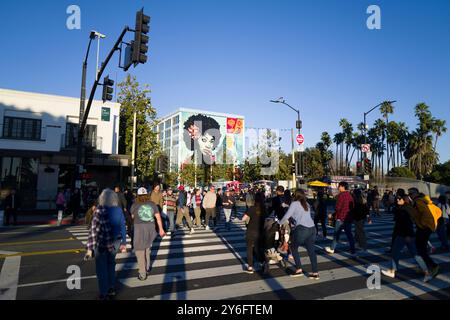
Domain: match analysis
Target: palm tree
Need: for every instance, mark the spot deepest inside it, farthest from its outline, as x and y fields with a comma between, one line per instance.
x=438, y=128
x=338, y=140
x=403, y=135
x=386, y=109
x=420, y=154
x=380, y=130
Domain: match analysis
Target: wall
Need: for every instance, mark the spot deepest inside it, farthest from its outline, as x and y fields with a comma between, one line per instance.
x=55, y=112
x=47, y=187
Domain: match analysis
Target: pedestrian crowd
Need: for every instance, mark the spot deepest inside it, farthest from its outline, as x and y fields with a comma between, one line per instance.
x=275, y=226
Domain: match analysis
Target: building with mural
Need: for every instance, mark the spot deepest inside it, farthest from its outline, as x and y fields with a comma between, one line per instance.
x=190, y=136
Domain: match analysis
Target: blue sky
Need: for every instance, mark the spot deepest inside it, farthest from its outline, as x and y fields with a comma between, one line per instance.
x=235, y=55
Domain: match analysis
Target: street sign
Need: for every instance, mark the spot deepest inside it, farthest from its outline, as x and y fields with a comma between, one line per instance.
x=300, y=139
x=365, y=148
x=106, y=114
x=301, y=148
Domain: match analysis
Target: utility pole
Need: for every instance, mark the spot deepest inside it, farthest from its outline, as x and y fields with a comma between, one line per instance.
x=293, y=159
x=133, y=152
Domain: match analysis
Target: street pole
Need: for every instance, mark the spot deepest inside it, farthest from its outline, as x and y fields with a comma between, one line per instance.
x=133, y=152
x=293, y=160
x=76, y=178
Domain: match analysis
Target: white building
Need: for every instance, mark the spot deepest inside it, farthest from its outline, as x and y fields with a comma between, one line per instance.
x=38, y=134
x=226, y=146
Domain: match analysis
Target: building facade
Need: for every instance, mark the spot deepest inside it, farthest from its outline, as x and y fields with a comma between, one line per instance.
x=38, y=137
x=190, y=136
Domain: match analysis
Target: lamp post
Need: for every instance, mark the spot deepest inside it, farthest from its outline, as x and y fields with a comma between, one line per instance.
x=99, y=36
x=76, y=180
x=298, y=125
x=365, y=122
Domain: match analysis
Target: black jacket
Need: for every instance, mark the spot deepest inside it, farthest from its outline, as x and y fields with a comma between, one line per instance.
x=276, y=206
x=404, y=226
x=360, y=211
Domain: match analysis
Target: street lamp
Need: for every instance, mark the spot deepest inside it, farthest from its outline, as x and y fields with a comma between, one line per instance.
x=298, y=126
x=99, y=36
x=92, y=36
x=365, y=116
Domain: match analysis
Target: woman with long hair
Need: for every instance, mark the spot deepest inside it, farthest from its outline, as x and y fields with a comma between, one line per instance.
x=303, y=234
x=254, y=216
x=360, y=214
x=107, y=235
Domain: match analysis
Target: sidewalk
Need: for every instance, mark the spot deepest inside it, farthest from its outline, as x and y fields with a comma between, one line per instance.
x=44, y=219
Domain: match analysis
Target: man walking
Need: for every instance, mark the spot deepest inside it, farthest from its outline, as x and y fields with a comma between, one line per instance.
x=183, y=210
x=209, y=203
x=344, y=206
x=11, y=205
x=425, y=226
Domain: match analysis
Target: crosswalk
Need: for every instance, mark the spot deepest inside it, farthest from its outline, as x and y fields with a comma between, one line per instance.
x=208, y=265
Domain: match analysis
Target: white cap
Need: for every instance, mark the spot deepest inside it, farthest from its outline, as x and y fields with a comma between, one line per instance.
x=141, y=191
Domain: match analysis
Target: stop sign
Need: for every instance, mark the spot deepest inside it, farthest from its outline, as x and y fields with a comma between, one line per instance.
x=300, y=139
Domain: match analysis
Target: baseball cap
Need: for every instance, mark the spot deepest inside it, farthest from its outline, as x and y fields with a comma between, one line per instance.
x=141, y=191
x=181, y=188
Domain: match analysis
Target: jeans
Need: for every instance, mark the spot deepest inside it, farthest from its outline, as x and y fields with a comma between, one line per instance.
x=253, y=247
x=422, y=237
x=165, y=221
x=171, y=217
x=360, y=234
x=321, y=217
x=227, y=213
x=8, y=213
x=105, y=267
x=398, y=245
x=441, y=231
x=303, y=236
x=347, y=227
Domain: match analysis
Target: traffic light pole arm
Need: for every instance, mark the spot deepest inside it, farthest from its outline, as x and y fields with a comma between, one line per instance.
x=94, y=87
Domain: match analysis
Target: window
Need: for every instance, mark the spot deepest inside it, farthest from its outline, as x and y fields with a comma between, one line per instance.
x=168, y=123
x=22, y=128
x=90, y=135
x=161, y=127
x=176, y=120
x=168, y=134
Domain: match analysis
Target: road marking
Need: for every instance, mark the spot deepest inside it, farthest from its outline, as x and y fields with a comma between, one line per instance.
x=39, y=253
x=9, y=277
x=36, y=242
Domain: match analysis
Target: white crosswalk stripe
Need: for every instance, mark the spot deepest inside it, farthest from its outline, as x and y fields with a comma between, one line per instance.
x=209, y=264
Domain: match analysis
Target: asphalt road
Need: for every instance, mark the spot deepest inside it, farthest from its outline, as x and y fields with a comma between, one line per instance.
x=206, y=265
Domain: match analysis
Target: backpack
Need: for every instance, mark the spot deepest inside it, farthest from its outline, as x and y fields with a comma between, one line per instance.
x=146, y=213
x=435, y=212
x=431, y=212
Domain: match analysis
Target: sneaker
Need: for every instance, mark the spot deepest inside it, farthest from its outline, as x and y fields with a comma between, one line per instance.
x=427, y=278
x=111, y=293
x=207, y=228
x=329, y=250
x=249, y=270
x=142, y=278
x=291, y=257
x=168, y=233
x=314, y=276
x=297, y=274
x=192, y=231
x=434, y=271
x=272, y=261
x=388, y=273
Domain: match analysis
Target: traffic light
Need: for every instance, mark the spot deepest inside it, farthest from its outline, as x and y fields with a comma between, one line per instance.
x=139, y=46
x=107, y=89
x=367, y=166
x=293, y=168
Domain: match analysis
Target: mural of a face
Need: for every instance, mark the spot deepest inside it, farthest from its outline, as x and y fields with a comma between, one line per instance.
x=206, y=144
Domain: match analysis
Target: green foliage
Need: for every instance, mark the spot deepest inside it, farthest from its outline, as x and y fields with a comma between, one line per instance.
x=134, y=98
x=402, y=172
x=440, y=174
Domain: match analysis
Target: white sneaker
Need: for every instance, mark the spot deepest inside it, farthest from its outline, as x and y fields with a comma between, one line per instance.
x=388, y=273
x=329, y=250
x=192, y=231
x=427, y=278
x=207, y=228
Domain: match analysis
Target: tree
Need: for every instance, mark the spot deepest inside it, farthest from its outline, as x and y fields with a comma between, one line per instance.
x=386, y=109
x=402, y=172
x=438, y=128
x=325, y=154
x=313, y=163
x=133, y=98
x=440, y=174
